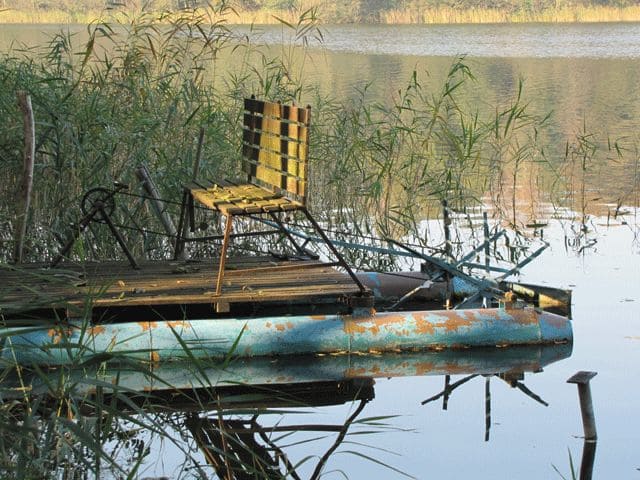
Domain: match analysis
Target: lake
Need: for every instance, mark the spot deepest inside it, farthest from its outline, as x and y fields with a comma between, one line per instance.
x=588, y=75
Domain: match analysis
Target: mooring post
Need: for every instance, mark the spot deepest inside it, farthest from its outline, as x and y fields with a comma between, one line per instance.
x=582, y=379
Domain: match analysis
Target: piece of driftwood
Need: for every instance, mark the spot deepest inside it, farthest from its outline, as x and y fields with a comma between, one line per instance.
x=24, y=193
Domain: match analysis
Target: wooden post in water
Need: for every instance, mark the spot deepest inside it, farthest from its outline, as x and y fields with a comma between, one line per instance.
x=24, y=194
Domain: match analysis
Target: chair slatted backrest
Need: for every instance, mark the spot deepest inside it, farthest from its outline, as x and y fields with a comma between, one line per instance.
x=275, y=147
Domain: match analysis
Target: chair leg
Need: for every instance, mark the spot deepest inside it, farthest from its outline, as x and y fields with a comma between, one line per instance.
x=178, y=250
x=223, y=253
x=335, y=251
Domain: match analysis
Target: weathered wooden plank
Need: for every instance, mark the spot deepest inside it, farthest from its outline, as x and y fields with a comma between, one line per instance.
x=162, y=283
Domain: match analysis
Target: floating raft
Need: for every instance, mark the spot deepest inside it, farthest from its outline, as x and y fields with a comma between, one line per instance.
x=156, y=284
x=365, y=331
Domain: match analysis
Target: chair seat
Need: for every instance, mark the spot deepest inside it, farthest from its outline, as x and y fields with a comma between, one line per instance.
x=243, y=199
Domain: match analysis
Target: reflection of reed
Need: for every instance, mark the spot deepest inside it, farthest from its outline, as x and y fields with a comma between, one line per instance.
x=221, y=408
x=232, y=446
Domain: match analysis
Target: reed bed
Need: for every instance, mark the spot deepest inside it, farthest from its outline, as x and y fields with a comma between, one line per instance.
x=448, y=15
x=332, y=13
x=139, y=91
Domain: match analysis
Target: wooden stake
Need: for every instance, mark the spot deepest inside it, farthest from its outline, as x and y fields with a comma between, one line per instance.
x=24, y=194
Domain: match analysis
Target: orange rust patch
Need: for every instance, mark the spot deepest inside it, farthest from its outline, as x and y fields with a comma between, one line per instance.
x=57, y=334
x=97, y=330
x=455, y=322
x=318, y=317
x=372, y=325
x=155, y=357
x=424, y=327
x=422, y=368
x=280, y=327
x=453, y=368
x=554, y=320
x=268, y=324
x=525, y=316
x=148, y=325
x=178, y=324
x=289, y=325
x=355, y=372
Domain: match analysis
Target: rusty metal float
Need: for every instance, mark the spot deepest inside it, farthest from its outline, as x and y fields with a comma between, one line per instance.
x=363, y=331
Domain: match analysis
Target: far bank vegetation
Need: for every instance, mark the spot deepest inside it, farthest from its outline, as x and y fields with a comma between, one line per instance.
x=335, y=11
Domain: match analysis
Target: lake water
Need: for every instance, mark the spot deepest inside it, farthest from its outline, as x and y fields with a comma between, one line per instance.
x=586, y=74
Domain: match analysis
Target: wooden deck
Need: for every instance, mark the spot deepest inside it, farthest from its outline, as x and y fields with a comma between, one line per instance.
x=248, y=280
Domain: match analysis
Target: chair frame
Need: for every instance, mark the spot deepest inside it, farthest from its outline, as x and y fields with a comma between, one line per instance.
x=275, y=147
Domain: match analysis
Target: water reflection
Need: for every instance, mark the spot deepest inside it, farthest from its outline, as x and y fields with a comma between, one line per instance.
x=242, y=420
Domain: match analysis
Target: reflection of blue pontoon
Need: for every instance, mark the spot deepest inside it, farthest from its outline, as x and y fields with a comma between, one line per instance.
x=234, y=410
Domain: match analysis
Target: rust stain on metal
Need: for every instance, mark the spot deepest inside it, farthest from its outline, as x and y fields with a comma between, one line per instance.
x=148, y=325
x=373, y=325
x=526, y=316
x=456, y=321
x=423, y=326
x=318, y=317
x=97, y=330
x=57, y=334
x=178, y=324
x=280, y=327
x=290, y=325
x=554, y=320
x=355, y=372
x=422, y=368
x=268, y=325
x=155, y=357
x=455, y=368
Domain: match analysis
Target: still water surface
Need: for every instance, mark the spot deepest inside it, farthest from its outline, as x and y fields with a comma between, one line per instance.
x=585, y=74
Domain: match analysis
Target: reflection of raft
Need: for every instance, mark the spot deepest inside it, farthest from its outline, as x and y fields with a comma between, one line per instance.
x=364, y=331
x=303, y=376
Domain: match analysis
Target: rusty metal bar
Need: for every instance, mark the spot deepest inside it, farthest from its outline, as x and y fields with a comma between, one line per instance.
x=298, y=248
x=482, y=285
x=119, y=239
x=223, y=253
x=335, y=251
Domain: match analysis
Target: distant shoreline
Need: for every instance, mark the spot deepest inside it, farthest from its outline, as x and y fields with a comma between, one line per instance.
x=440, y=15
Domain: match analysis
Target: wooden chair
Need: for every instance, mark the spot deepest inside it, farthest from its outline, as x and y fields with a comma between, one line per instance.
x=275, y=154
